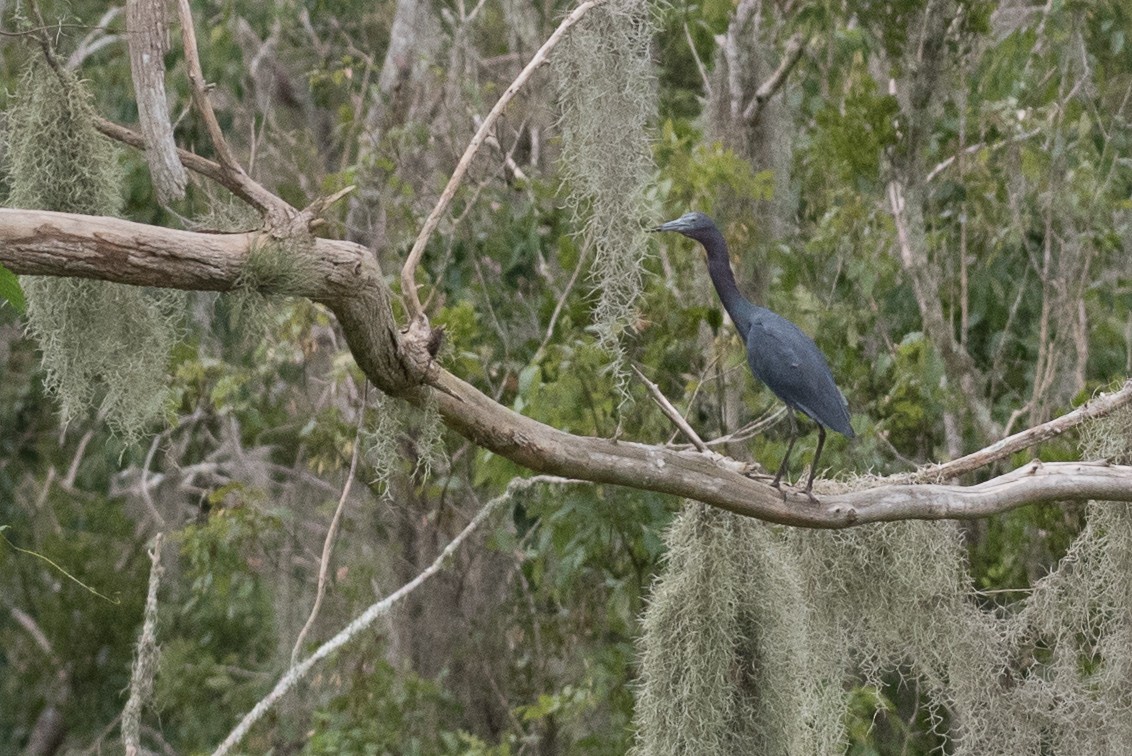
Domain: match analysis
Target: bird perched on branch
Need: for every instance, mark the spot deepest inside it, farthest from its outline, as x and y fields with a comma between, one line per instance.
x=780, y=355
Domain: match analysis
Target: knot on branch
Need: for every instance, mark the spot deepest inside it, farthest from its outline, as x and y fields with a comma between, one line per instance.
x=420, y=343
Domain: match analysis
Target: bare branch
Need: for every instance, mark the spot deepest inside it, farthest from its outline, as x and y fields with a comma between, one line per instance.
x=350, y=283
x=972, y=149
x=699, y=63
x=670, y=412
x=28, y=623
x=145, y=660
x=279, y=214
x=96, y=39
x=790, y=57
x=408, y=272
x=1099, y=407
x=328, y=542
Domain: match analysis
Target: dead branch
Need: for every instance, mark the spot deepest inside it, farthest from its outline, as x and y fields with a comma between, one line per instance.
x=145, y=659
x=670, y=411
x=350, y=283
x=328, y=542
x=1098, y=407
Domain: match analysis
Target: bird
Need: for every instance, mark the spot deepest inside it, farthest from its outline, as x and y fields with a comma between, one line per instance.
x=779, y=353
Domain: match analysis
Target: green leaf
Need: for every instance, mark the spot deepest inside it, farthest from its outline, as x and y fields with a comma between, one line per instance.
x=10, y=289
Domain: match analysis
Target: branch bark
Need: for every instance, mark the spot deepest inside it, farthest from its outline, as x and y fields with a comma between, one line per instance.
x=148, y=40
x=351, y=285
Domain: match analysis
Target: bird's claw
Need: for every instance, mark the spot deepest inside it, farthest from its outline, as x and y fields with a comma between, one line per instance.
x=776, y=484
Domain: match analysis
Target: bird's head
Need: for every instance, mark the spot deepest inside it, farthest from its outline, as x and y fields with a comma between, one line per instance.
x=693, y=225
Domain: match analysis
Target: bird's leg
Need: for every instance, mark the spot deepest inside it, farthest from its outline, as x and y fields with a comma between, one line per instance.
x=814, y=465
x=786, y=457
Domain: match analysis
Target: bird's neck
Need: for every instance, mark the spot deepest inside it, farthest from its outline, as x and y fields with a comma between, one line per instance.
x=719, y=268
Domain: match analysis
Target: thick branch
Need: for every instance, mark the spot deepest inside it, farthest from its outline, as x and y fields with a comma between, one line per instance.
x=350, y=283
x=348, y=280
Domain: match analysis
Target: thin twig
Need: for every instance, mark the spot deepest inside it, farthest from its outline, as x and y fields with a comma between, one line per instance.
x=277, y=210
x=408, y=272
x=582, y=256
x=331, y=536
x=670, y=412
x=28, y=623
x=73, y=470
x=370, y=615
x=145, y=662
x=147, y=498
x=971, y=150
x=699, y=63
x=97, y=38
x=1098, y=407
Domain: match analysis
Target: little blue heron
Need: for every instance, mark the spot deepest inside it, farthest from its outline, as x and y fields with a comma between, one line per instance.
x=780, y=355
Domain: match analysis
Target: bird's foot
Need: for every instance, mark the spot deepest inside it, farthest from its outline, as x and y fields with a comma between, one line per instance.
x=810, y=495
x=777, y=484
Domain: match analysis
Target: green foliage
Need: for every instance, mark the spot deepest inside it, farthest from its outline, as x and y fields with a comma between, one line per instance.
x=91, y=638
x=381, y=710
x=10, y=290
x=696, y=174
x=851, y=136
x=216, y=630
x=914, y=375
x=902, y=639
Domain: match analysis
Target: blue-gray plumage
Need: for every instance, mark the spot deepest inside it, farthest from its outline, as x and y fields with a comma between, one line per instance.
x=780, y=355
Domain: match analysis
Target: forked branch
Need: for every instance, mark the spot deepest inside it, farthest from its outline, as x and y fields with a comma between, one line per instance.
x=278, y=213
x=351, y=285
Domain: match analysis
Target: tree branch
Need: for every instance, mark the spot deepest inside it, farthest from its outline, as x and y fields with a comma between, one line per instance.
x=1098, y=407
x=791, y=54
x=350, y=283
x=279, y=214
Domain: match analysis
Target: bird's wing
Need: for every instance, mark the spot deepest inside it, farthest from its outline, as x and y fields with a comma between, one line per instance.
x=783, y=357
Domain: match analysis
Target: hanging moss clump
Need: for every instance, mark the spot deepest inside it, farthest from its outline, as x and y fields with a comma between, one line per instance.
x=756, y=636
x=608, y=96
x=728, y=661
x=105, y=346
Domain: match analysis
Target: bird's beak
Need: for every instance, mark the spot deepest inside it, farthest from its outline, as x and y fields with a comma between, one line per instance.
x=672, y=225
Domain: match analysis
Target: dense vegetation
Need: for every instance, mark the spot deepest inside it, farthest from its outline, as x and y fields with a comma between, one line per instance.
x=938, y=192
